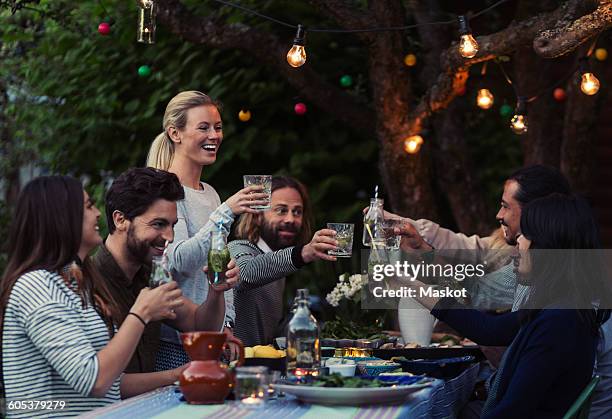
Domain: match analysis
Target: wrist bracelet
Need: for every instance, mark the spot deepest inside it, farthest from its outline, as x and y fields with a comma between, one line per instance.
x=139, y=318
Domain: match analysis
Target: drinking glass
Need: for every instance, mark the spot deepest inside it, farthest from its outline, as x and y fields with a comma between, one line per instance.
x=159, y=273
x=391, y=240
x=251, y=386
x=266, y=182
x=344, y=235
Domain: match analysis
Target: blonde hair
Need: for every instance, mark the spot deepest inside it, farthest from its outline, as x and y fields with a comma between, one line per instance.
x=498, y=254
x=161, y=151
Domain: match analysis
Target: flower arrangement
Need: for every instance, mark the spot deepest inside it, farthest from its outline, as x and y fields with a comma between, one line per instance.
x=351, y=321
x=346, y=288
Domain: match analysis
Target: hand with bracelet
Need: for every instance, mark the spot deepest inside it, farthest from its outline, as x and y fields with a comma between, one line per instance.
x=159, y=303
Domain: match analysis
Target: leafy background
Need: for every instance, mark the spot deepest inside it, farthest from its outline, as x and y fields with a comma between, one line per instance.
x=77, y=106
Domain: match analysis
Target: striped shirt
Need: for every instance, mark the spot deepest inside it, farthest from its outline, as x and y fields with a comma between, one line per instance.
x=258, y=297
x=49, y=347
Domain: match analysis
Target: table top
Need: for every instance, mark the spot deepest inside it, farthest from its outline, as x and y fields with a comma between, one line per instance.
x=442, y=399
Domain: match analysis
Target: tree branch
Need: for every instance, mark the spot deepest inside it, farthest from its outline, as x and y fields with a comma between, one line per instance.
x=570, y=33
x=346, y=15
x=269, y=50
x=451, y=81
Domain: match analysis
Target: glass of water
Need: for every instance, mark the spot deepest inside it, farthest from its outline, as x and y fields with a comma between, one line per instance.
x=159, y=273
x=266, y=182
x=251, y=386
x=344, y=236
x=391, y=240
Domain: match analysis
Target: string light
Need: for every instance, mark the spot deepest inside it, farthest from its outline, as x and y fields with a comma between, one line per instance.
x=589, y=84
x=484, y=99
x=468, y=47
x=296, y=57
x=147, y=11
x=518, y=123
x=413, y=144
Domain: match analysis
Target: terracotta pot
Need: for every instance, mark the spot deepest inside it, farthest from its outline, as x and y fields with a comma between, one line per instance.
x=206, y=380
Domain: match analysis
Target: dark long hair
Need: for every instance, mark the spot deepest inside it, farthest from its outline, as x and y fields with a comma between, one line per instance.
x=567, y=269
x=45, y=233
x=249, y=225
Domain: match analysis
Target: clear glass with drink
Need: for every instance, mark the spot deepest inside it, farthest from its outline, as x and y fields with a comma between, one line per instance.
x=392, y=241
x=218, y=257
x=266, y=182
x=344, y=236
x=160, y=273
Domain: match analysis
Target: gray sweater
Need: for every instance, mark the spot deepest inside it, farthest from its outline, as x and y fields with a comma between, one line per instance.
x=197, y=214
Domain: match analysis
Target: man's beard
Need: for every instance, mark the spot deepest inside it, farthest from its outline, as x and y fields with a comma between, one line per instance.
x=509, y=240
x=138, y=250
x=270, y=235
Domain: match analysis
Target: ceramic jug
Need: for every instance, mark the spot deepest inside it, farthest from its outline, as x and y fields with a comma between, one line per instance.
x=207, y=380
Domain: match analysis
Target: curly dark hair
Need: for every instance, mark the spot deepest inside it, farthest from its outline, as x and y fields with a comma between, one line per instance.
x=136, y=189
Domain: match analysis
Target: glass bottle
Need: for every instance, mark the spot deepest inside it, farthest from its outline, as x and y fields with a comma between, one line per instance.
x=303, y=346
x=373, y=219
x=218, y=257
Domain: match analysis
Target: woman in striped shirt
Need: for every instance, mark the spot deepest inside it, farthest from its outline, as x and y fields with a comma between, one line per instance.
x=57, y=313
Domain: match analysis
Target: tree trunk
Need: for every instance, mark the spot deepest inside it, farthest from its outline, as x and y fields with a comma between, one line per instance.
x=454, y=171
x=406, y=177
x=455, y=174
x=533, y=75
x=579, y=136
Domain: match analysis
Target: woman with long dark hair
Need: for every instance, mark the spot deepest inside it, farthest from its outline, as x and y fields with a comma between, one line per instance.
x=58, y=343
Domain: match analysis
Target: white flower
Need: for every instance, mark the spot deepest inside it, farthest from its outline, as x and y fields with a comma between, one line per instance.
x=346, y=287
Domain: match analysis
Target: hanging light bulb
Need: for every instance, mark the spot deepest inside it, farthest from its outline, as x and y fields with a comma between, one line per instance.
x=518, y=123
x=296, y=57
x=589, y=84
x=146, y=21
x=484, y=99
x=468, y=47
x=413, y=144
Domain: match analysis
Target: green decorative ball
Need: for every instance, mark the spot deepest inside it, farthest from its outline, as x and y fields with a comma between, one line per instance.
x=144, y=71
x=505, y=110
x=346, y=81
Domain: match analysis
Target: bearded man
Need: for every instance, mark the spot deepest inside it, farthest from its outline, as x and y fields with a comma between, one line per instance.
x=141, y=213
x=270, y=246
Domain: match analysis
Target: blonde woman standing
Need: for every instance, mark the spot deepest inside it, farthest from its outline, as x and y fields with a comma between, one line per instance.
x=191, y=137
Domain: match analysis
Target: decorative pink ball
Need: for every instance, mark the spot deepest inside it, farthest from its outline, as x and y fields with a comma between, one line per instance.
x=104, y=28
x=300, y=108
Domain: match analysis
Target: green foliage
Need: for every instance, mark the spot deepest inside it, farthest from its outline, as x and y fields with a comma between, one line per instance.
x=78, y=106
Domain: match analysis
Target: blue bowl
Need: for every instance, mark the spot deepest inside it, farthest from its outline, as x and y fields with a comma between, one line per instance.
x=375, y=370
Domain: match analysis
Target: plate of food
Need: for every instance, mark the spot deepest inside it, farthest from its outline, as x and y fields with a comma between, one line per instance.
x=335, y=390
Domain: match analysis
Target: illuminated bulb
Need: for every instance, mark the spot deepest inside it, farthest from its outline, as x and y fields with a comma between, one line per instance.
x=468, y=47
x=413, y=144
x=296, y=57
x=146, y=21
x=519, y=124
x=484, y=99
x=589, y=84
